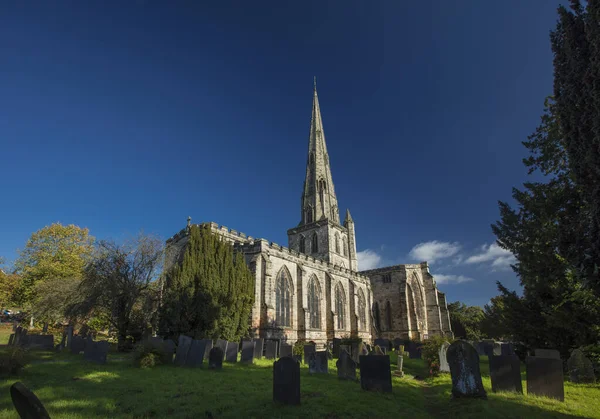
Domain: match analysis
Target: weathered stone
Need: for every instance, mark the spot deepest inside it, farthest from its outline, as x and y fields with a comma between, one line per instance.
x=308, y=350
x=286, y=381
x=207, y=348
x=507, y=349
x=375, y=373
x=346, y=367
x=258, y=348
x=547, y=353
x=285, y=350
x=444, y=366
x=248, y=348
x=77, y=345
x=96, y=352
x=232, y=352
x=45, y=342
x=183, y=347
x=580, y=368
x=69, y=331
x=215, y=358
x=384, y=344
x=195, y=355
x=318, y=363
x=505, y=372
x=26, y=403
x=545, y=377
x=220, y=343
x=271, y=350
x=464, y=368
x=399, y=364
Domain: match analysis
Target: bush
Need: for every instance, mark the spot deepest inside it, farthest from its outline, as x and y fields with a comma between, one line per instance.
x=147, y=355
x=298, y=348
x=13, y=360
x=430, y=352
x=149, y=360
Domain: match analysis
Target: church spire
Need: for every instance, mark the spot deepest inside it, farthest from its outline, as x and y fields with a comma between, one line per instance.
x=318, y=198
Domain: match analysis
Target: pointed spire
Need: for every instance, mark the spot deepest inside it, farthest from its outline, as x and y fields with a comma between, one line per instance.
x=348, y=216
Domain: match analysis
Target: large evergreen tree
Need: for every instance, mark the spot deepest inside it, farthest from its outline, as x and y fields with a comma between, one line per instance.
x=210, y=292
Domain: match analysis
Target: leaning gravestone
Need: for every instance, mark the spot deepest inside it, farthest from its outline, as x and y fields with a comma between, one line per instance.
x=505, y=372
x=545, y=377
x=346, y=367
x=444, y=366
x=580, y=368
x=308, y=349
x=271, y=351
x=222, y=344
x=547, y=353
x=215, y=358
x=317, y=363
x=183, y=347
x=464, y=368
x=286, y=381
x=248, y=348
x=77, y=345
x=96, y=352
x=232, y=352
x=285, y=350
x=375, y=373
x=195, y=355
x=258, y=348
x=26, y=403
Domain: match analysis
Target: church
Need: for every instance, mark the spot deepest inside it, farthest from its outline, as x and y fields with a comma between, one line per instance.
x=312, y=289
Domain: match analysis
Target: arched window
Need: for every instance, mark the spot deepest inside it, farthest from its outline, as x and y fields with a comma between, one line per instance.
x=388, y=315
x=345, y=246
x=314, y=303
x=337, y=243
x=315, y=243
x=282, y=299
x=376, y=315
x=340, y=304
x=302, y=244
x=362, y=308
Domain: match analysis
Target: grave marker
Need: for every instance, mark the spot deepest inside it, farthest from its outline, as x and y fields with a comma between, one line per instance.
x=232, y=352
x=26, y=403
x=375, y=373
x=223, y=345
x=317, y=363
x=505, y=372
x=271, y=350
x=286, y=381
x=183, y=347
x=248, y=349
x=96, y=352
x=285, y=350
x=308, y=350
x=258, y=348
x=545, y=377
x=444, y=366
x=215, y=358
x=195, y=355
x=464, y=367
x=346, y=367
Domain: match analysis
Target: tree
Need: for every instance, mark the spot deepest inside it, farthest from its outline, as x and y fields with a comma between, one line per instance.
x=495, y=321
x=465, y=320
x=53, y=297
x=210, y=292
x=9, y=284
x=117, y=283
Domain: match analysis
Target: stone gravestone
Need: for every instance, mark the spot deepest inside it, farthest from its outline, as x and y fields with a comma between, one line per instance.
x=382, y=343
x=232, y=352
x=215, y=358
x=77, y=345
x=547, y=353
x=271, y=350
x=414, y=350
x=207, y=348
x=497, y=350
x=286, y=381
x=464, y=368
x=26, y=403
x=580, y=368
x=507, y=349
x=18, y=332
x=375, y=373
x=285, y=350
x=444, y=366
x=354, y=351
x=69, y=331
x=545, y=377
x=258, y=348
x=45, y=342
x=248, y=348
x=397, y=343
x=308, y=350
x=346, y=367
x=399, y=364
x=336, y=347
x=317, y=362
x=183, y=347
x=223, y=345
x=195, y=355
x=505, y=372
x=164, y=347
x=96, y=352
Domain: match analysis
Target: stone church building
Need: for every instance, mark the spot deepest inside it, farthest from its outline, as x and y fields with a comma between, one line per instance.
x=312, y=289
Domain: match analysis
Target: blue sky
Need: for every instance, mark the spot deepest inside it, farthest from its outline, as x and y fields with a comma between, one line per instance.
x=123, y=116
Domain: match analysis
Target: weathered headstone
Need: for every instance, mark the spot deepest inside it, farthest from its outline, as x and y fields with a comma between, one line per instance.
x=414, y=350
x=207, y=348
x=223, y=345
x=166, y=348
x=346, y=348
x=355, y=351
x=497, y=349
x=183, y=347
x=545, y=377
x=286, y=381
x=232, y=352
x=547, y=353
x=215, y=358
x=195, y=355
x=308, y=349
x=382, y=343
x=377, y=351
x=45, y=342
x=580, y=368
x=271, y=350
x=464, y=367
x=505, y=372
x=69, y=331
x=318, y=363
x=258, y=348
x=96, y=352
x=336, y=347
x=444, y=366
x=399, y=364
x=11, y=339
x=26, y=403
x=285, y=350
x=375, y=373
x=397, y=343
x=77, y=345
x=248, y=348
x=507, y=349
x=346, y=367
x=18, y=333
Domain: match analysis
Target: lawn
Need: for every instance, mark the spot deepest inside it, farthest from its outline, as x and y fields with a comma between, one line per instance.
x=72, y=388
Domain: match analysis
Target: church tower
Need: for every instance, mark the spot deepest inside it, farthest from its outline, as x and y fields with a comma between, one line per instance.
x=319, y=233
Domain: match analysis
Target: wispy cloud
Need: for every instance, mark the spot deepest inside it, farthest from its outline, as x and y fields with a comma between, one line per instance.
x=434, y=250
x=500, y=259
x=451, y=279
x=368, y=259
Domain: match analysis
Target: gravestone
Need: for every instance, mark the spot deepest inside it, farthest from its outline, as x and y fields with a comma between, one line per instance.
x=223, y=345
x=580, y=368
x=497, y=350
x=507, y=349
x=346, y=348
x=317, y=363
x=166, y=348
x=464, y=367
x=336, y=347
x=271, y=350
x=354, y=351
x=215, y=358
x=77, y=345
x=286, y=381
x=505, y=372
x=298, y=358
x=258, y=348
x=547, y=353
x=375, y=373
x=415, y=350
x=11, y=339
x=87, y=342
x=96, y=352
x=45, y=342
x=26, y=403
x=195, y=355
x=232, y=352
x=382, y=343
x=69, y=331
x=285, y=350
x=399, y=364
x=63, y=342
x=545, y=377
x=444, y=366
x=346, y=367
x=183, y=347
x=14, y=326
x=207, y=348
x=18, y=332
x=377, y=351
x=248, y=348
x=308, y=350
x=397, y=343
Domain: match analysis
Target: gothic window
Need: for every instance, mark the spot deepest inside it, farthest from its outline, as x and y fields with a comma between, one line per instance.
x=282, y=299
x=376, y=315
x=314, y=307
x=387, y=278
x=334, y=212
x=337, y=243
x=315, y=243
x=340, y=306
x=388, y=315
x=345, y=246
x=362, y=306
x=302, y=245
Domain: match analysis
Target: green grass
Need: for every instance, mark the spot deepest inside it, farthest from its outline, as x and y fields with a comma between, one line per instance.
x=71, y=388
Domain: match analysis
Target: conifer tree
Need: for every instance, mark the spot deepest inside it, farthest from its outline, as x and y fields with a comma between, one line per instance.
x=210, y=292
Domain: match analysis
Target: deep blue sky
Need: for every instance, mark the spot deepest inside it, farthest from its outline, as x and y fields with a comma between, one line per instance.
x=121, y=116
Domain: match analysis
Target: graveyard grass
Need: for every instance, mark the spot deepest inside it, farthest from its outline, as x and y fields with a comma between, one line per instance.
x=69, y=387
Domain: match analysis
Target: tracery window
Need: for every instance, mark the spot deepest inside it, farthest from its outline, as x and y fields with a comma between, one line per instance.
x=376, y=315
x=362, y=308
x=340, y=305
x=282, y=299
x=387, y=278
x=388, y=315
x=314, y=306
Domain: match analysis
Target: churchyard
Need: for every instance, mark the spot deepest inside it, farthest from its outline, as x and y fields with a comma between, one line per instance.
x=70, y=386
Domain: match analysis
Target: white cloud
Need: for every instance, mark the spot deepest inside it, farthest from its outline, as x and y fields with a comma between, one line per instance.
x=434, y=250
x=451, y=279
x=501, y=259
x=368, y=259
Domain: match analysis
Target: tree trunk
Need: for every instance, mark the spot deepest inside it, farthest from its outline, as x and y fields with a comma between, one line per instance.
x=31, y=322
